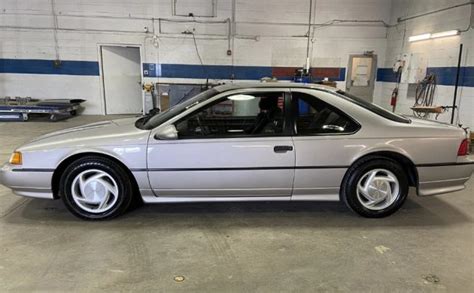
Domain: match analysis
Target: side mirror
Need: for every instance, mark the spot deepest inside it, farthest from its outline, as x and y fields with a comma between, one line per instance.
x=167, y=132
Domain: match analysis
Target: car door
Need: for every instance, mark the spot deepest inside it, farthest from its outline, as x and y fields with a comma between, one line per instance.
x=322, y=145
x=224, y=149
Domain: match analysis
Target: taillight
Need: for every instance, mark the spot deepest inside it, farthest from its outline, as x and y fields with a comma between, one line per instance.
x=464, y=148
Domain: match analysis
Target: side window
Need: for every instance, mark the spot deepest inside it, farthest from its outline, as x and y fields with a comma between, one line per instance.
x=257, y=114
x=314, y=116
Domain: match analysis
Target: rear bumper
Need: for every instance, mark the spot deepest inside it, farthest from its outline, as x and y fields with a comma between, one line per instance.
x=27, y=182
x=443, y=178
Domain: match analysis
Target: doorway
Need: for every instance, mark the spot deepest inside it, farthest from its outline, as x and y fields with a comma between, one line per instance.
x=361, y=76
x=121, y=78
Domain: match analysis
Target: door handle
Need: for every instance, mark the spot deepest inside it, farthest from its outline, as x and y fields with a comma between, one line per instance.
x=282, y=148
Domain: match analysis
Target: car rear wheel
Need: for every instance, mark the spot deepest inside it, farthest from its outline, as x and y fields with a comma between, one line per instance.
x=96, y=188
x=375, y=187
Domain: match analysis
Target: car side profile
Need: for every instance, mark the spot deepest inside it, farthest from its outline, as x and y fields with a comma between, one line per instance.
x=246, y=142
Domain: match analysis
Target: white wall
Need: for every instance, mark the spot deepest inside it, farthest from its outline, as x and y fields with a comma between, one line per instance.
x=265, y=33
x=438, y=52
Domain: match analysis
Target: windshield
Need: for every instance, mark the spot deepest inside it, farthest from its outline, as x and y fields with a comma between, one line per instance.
x=150, y=122
x=373, y=108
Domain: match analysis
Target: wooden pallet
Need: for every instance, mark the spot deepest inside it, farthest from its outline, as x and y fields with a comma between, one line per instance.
x=428, y=109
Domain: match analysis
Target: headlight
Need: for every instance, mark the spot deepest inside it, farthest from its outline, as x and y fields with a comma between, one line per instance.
x=16, y=158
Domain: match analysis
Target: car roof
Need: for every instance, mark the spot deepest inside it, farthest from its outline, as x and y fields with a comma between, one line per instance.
x=245, y=85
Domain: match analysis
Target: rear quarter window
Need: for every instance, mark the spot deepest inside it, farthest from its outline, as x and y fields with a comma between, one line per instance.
x=373, y=108
x=316, y=117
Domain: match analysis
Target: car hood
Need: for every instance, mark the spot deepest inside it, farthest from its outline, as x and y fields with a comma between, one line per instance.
x=120, y=131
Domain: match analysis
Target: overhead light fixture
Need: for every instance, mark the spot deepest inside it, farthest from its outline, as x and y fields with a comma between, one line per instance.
x=445, y=34
x=433, y=36
x=419, y=37
x=241, y=97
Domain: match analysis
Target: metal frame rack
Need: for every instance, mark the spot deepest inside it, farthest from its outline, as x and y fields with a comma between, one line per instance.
x=19, y=109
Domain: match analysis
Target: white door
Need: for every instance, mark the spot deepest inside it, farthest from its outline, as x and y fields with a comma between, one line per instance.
x=361, y=76
x=122, y=79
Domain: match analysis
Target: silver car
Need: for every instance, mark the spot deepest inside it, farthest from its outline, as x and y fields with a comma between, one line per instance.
x=246, y=142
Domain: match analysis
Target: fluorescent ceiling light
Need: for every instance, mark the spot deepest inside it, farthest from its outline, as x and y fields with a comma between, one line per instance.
x=433, y=36
x=419, y=37
x=445, y=34
x=241, y=97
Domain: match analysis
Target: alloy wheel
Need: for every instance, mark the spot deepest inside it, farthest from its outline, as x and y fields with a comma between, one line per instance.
x=94, y=191
x=378, y=189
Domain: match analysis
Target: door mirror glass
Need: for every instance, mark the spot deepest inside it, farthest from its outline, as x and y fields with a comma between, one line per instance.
x=167, y=132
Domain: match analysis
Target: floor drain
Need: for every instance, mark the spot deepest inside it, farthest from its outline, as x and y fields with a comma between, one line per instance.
x=431, y=279
x=179, y=278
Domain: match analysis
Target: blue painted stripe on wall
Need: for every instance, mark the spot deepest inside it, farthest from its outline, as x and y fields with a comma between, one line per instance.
x=386, y=75
x=37, y=66
x=205, y=71
x=70, y=67
x=447, y=75
x=215, y=71
x=444, y=75
x=342, y=75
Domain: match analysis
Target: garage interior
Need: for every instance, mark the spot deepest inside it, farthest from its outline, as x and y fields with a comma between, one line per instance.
x=126, y=58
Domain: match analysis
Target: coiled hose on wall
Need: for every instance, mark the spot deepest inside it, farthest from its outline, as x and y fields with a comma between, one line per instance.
x=424, y=94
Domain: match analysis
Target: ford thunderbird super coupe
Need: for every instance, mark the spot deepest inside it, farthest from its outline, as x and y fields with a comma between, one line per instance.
x=246, y=142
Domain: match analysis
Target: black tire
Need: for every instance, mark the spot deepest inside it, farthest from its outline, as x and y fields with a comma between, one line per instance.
x=357, y=171
x=124, y=196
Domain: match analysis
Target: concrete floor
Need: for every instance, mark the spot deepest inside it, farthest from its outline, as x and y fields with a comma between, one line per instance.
x=230, y=247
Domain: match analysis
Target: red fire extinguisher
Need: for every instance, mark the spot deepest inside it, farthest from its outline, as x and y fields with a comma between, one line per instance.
x=393, y=100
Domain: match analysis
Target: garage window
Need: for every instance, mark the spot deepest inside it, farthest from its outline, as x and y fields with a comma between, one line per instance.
x=316, y=117
x=236, y=115
x=206, y=8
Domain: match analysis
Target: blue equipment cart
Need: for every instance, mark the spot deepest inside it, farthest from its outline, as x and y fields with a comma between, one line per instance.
x=19, y=109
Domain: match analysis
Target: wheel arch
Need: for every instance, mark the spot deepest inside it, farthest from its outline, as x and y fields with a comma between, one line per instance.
x=405, y=162
x=76, y=156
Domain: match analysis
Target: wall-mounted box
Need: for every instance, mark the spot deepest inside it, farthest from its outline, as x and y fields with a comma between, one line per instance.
x=201, y=8
x=414, y=69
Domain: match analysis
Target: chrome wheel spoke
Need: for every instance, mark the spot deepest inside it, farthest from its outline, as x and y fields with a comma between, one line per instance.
x=82, y=183
x=365, y=193
x=104, y=201
x=110, y=188
x=85, y=200
x=374, y=201
x=97, y=176
x=390, y=178
x=369, y=181
x=389, y=193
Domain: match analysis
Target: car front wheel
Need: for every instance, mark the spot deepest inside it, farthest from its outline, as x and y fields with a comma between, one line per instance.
x=375, y=187
x=96, y=188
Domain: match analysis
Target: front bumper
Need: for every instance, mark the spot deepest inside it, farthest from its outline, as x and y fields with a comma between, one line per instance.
x=444, y=178
x=27, y=182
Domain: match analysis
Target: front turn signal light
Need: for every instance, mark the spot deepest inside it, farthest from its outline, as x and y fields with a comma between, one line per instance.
x=16, y=158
